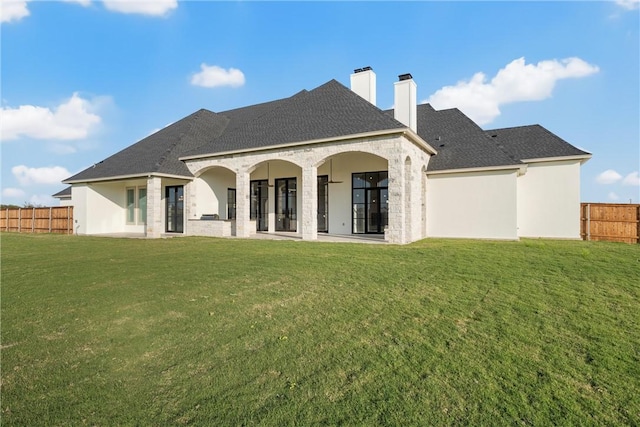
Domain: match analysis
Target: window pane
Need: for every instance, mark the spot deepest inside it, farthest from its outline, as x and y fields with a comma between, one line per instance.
x=231, y=203
x=383, y=180
x=371, y=179
x=358, y=196
x=142, y=205
x=131, y=205
x=358, y=180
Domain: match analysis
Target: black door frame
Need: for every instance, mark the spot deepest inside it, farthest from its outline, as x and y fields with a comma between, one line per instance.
x=323, y=204
x=174, y=208
x=287, y=219
x=259, y=211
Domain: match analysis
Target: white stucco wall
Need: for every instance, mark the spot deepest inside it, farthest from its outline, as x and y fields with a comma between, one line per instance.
x=211, y=192
x=99, y=208
x=549, y=200
x=473, y=205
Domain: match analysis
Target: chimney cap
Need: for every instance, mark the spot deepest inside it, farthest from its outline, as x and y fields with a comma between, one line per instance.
x=359, y=70
x=403, y=77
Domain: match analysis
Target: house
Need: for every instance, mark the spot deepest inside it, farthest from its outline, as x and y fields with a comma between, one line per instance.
x=64, y=196
x=328, y=160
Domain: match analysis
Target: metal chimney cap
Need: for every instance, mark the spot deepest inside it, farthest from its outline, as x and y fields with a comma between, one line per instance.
x=359, y=70
x=407, y=76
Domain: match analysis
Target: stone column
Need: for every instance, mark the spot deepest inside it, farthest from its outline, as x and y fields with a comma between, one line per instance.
x=396, y=227
x=310, y=203
x=154, y=207
x=243, y=203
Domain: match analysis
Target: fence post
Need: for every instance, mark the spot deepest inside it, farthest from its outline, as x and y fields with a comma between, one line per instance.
x=19, y=220
x=7, y=219
x=638, y=219
x=33, y=220
x=588, y=221
x=69, y=220
x=50, y=217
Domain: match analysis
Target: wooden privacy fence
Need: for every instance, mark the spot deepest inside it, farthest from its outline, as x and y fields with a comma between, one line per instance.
x=57, y=219
x=610, y=221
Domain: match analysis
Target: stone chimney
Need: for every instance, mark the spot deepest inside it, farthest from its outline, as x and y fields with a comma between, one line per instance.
x=405, y=108
x=363, y=82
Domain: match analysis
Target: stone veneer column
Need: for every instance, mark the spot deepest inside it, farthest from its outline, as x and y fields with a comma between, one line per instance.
x=154, y=207
x=243, y=204
x=396, y=227
x=309, y=203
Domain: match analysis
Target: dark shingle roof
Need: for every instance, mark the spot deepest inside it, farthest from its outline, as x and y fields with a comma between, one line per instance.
x=460, y=143
x=532, y=142
x=63, y=194
x=159, y=152
x=328, y=111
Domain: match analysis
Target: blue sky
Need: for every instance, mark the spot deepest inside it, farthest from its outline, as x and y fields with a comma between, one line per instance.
x=83, y=79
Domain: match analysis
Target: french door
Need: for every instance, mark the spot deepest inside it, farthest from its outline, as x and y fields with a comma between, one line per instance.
x=260, y=204
x=370, y=199
x=286, y=201
x=174, y=196
x=323, y=204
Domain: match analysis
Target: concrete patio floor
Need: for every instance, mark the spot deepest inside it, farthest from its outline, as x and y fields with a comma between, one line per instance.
x=322, y=237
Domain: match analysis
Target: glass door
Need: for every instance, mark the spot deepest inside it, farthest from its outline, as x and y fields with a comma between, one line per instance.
x=286, y=200
x=323, y=204
x=260, y=204
x=174, y=197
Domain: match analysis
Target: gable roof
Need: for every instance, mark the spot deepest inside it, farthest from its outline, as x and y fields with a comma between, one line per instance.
x=158, y=153
x=328, y=111
x=63, y=194
x=533, y=142
x=460, y=142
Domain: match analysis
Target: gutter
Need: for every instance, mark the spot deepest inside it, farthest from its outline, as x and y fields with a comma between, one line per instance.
x=121, y=177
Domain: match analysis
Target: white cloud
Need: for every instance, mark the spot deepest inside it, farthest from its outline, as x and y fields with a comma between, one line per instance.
x=71, y=120
x=144, y=7
x=81, y=2
x=47, y=175
x=613, y=196
x=632, y=179
x=13, y=10
x=516, y=82
x=212, y=76
x=15, y=193
x=608, y=177
x=629, y=4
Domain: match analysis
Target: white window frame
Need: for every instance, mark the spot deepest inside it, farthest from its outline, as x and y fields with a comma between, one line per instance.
x=137, y=211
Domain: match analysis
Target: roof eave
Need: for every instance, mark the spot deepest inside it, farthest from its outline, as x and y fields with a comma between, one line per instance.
x=582, y=157
x=521, y=168
x=122, y=177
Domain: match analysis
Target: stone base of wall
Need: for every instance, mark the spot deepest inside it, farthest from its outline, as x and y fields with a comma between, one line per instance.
x=211, y=228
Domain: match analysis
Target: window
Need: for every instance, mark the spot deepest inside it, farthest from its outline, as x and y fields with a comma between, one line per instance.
x=231, y=203
x=136, y=205
x=142, y=205
x=131, y=205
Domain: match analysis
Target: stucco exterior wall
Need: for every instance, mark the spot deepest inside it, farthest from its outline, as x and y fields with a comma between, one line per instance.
x=99, y=208
x=211, y=192
x=479, y=205
x=549, y=200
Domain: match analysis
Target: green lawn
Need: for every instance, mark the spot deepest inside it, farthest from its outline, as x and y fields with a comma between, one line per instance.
x=99, y=331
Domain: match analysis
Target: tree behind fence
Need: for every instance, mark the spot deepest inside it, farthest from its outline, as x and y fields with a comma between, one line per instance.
x=57, y=219
x=610, y=221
